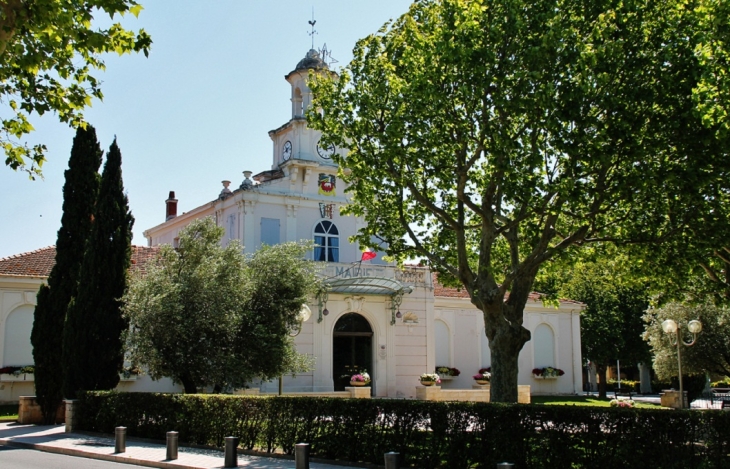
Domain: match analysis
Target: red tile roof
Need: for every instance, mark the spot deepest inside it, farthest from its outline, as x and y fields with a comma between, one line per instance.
x=39, y=263
x=36, y=263
x=454, y=292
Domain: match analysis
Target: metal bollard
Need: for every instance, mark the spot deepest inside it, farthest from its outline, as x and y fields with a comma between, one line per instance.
x=301, y=455
x=171, y=445
x=231, y=455
x=120, y=439
x=391, y=460
x=505, y=465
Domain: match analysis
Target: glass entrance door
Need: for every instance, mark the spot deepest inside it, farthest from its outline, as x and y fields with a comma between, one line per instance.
x=352, y=349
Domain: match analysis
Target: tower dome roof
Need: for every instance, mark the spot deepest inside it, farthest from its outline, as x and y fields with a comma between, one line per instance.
x=312, y=61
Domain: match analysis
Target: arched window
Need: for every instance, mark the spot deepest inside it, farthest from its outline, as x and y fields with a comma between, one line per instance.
x=443, y=343
x=298, y=104
x=327, y=242
x=544, y=346
x=17, y=350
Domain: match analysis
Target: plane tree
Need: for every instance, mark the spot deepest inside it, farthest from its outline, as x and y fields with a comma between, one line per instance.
x=49, y=51
x=489, y=138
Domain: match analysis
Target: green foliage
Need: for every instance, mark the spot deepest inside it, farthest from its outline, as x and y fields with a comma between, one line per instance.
x=723, y=383
x=79, y=196
x=616, y=297
x=92, y=336
x=491, y=137
x=48, y=52
x=9, y=412
x=427, y=434
x=711, y=351
x=205, y=315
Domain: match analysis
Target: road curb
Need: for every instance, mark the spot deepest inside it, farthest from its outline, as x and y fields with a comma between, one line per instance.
x=103, y=457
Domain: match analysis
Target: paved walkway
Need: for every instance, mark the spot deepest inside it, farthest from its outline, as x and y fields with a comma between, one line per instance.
x=53, y=439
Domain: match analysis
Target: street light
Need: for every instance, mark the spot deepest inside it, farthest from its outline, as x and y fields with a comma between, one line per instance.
x=675, y=337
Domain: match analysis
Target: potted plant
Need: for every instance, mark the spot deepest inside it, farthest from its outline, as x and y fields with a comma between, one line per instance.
x=483, y=376
x=429, y=379
x=17, y=373
x=129, y=373
x=360, y=379
x=446, y=373
x=625, y=403
x=547, y=372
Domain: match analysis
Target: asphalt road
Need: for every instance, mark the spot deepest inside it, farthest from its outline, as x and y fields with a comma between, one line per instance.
x=20, y=458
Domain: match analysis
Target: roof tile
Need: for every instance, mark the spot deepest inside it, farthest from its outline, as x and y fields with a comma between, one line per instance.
x=440, y=290
x=39, y=263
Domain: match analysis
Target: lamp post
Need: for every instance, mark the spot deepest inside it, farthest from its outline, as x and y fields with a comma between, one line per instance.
x=675, y=337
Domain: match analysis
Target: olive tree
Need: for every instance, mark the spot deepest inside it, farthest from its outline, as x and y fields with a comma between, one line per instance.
x=709, y=354
x=208, y=316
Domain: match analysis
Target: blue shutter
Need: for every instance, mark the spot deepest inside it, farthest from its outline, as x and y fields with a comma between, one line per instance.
x=270, y=233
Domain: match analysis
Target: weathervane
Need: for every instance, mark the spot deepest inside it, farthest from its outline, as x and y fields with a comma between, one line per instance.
x=312, y=23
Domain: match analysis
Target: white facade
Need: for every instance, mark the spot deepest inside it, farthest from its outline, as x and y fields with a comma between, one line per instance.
x=17, y=305
x=288, y=203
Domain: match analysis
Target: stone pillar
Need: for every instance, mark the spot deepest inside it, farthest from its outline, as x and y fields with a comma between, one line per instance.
x=428, y=393
x=72, y=417
x=29, y=411
x=359, y=392
x=523, y=394
x=670, y=398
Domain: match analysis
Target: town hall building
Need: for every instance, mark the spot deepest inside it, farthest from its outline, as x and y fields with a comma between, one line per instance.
x=395, y=322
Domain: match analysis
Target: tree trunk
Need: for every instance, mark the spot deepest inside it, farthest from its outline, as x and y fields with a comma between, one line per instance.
x=188, y=384
x=505, y=346
x=601, y=372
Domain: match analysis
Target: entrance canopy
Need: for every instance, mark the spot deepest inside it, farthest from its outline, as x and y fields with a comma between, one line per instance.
x=369, y=286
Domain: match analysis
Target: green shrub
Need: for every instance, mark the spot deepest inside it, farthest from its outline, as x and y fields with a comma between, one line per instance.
x=723, y=383
x=625, y=383
x=427, y=434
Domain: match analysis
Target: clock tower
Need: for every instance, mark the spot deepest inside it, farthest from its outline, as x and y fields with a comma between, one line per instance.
x=296, y=146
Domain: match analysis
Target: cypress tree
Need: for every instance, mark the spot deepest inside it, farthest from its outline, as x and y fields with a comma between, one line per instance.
x=79, y=196
x=92, y=345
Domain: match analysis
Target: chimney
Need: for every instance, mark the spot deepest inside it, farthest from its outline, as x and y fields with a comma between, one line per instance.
x=171, y=206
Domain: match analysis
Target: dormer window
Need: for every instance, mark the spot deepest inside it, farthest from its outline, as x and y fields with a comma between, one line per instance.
x=327, y=242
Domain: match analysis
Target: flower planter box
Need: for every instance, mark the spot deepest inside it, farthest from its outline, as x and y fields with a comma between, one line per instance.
x=358, y=383
x=128, y=377
x=15, y=378
x=445, y=377
x=428, y=383
x=544, y=377
x=481, y=382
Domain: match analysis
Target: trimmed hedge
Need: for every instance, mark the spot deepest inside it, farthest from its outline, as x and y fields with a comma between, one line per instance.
x=426, y=434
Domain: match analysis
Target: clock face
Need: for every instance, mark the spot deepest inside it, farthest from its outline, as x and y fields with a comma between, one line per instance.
x=325, y=151
x=286, y=151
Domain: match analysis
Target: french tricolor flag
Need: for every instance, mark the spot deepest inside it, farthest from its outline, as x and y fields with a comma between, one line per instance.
x=368, y=254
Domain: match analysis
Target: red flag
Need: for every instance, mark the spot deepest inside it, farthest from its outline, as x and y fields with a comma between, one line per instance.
x=367, y=255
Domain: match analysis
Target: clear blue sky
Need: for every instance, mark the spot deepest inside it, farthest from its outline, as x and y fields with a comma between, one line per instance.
x=195, y=113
